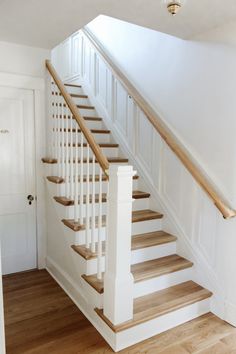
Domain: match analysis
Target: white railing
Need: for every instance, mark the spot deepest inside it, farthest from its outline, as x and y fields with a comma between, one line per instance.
x=80, y=163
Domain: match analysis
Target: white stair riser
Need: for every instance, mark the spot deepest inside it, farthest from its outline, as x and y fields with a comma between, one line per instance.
x=149, y=253
x=88, y=112
x=140, y=204
x=146, y=226
x=89, y=123
x=76, y=90
x=145, y=287
x=80, y=236
x=109, y=152
x=67, y=212
x=142, y=255
x=53, y=169
x=163, y=282
x=160, y=324
x=99, y=137
x=153, y=225
x=80, y=100
x=60, y=189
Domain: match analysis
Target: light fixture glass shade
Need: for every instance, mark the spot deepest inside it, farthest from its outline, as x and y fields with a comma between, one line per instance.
x=173, y=6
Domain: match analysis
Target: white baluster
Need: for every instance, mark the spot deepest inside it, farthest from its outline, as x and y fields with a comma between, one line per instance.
x=52, y=110
x=56, y=133
x=87, y=200
x=81, y=178
x=76, y=197
x=99, y=252
x=93, y=244
x=67, y=178
x=63, y=166
x=59, y=135
x=71, y=159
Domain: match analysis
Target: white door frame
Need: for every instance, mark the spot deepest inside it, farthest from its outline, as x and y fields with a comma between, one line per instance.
x=2, y=329
x=38, y=87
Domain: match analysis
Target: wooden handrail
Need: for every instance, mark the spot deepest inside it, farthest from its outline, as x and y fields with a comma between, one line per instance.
x=171, y=140
x=100, y=157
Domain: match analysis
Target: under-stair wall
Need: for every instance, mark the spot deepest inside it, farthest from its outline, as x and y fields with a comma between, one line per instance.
x=204, y=236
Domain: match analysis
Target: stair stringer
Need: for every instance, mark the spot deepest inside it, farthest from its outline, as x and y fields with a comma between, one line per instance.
x=203, y=272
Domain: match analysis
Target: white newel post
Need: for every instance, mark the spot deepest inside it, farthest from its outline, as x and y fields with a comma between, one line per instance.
x=118, y=280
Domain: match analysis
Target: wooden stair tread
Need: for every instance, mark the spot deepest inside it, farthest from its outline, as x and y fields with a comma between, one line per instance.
x=144, y=215
x=94, y=131
x=87, y=118
x=58, y=180
x=84, y=106
x=67, y=201
x=138, y=242
x=93, y=118
x=147, y=270
x=76, y=226
x=160, y=266
x=49, y=160
x=109, y=159
x=75, y=95
x=152, y=239
x=73, y=85
x=160, y=303
x=148, y=240
x=102, y=145
x=55, y=179
x=86, y=253
x=80, y=106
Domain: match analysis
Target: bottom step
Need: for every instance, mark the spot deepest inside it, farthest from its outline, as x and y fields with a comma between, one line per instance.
x=161, y=303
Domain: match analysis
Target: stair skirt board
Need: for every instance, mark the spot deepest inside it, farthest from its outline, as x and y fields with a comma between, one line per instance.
x=131, y=336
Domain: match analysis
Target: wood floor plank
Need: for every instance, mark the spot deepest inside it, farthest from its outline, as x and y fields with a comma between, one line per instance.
x=60, y=328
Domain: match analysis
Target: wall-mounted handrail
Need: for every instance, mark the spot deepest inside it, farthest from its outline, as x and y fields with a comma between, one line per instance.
x=171, y=140
x=100, y=157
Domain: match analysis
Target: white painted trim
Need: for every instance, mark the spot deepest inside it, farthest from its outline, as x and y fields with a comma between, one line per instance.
x=22, y=81
x=230, y=313
x=38, y=86
x=161, y=324
x=124, y=339
x=76, y=294
x=2, y=329
x=40, y=151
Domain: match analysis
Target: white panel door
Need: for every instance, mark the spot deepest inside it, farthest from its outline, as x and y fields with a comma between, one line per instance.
x=17, y=180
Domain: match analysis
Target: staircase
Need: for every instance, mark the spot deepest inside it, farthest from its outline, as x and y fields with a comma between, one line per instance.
x=134, y=283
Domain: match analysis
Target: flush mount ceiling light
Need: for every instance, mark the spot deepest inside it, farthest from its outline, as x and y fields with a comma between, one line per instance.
x=174, y=6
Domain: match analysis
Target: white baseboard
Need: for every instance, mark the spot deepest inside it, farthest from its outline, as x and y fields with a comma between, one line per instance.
x=76, y=295
x=230, y=313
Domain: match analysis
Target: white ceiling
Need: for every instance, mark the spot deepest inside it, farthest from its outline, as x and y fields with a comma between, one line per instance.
x=45, y=23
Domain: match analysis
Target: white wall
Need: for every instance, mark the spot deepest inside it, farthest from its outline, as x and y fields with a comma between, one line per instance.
x=190, y=83
x=23, y=60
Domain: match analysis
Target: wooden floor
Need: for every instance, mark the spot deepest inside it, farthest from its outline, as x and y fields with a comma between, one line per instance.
x=40, y=318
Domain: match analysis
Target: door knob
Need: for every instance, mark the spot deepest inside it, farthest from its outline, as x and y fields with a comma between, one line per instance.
x=30, y=199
